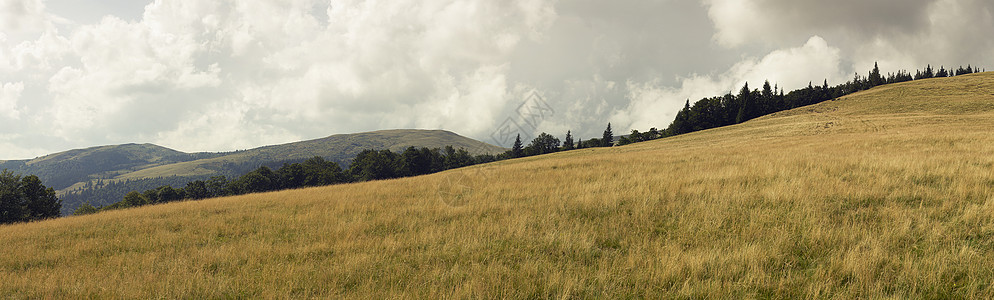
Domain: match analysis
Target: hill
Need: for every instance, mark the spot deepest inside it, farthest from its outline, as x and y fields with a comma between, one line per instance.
x=65, y=169
x=883, y=193
x=339, y=148
x=102, y=175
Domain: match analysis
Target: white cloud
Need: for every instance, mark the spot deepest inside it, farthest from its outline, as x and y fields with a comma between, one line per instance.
x=900, y=34
x=223, y=75
x=10, y=94
x=654, y=105
x=22, y=15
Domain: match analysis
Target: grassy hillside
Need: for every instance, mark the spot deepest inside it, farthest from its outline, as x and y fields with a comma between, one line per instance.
x=339, y=148
x=62, y=170
x=885, y=193
x=140, y=167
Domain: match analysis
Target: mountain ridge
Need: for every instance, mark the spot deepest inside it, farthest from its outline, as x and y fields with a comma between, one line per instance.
x=77, y=170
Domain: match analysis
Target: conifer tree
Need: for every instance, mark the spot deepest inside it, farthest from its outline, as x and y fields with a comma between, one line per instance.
x=568, y=142
x=746, y=104
x=608, y=139
x=517, y=149
x=875, y=78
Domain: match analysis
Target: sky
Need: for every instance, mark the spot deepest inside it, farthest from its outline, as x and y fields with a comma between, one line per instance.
x=226, y=75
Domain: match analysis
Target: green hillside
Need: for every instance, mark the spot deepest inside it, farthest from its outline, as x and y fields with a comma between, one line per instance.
x=339, y=148
x=62, y=170
x=104, y=174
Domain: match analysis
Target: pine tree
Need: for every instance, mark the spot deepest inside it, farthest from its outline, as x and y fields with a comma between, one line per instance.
x=568, y=142
x=875, y=78
x=516, y=149
x=746, y=104
x=608, y=139
x=767, y=91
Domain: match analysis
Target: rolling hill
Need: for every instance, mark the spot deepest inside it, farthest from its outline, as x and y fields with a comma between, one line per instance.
x=140, y=167
x=65, y=169
x=887, y=193
x=339, y=148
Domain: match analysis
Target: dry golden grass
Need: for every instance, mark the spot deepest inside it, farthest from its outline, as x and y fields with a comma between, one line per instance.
x=884, y=194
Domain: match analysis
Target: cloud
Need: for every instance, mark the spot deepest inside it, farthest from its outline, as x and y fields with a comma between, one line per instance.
x=738, y=22
x=901, y=34
x=22, y=15
x=655, y=105
x=225, y=75
x=10, y=94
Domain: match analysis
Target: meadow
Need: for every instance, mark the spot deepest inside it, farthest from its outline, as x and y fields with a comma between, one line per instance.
x=887, y=193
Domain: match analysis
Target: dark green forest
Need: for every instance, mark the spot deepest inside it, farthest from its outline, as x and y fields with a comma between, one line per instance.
x=24, y=199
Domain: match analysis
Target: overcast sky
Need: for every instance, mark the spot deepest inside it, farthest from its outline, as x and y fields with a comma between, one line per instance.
x=222, y=75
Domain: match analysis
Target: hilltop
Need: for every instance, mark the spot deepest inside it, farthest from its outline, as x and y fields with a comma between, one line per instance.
x=140, y=167
x=883, y=193
x=339, y=148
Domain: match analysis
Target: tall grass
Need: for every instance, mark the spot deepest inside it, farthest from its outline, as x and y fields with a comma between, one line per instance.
x=863, y=197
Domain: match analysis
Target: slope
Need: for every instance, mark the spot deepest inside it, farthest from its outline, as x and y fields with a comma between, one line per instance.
x=102, y=175
x=339, y=148
x=64, y=169
x=884, y=193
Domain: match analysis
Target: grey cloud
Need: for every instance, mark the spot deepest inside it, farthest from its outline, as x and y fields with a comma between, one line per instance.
x=224, y=75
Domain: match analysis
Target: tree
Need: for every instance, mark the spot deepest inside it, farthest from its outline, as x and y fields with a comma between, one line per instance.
x=259, y=180
x=375, y=165
x=319, y=172
x=169, y=194
x=291, y=176
x=151, y=196
x=135, y=199
x=40, y=202
x=592, y=143
x=746, y=104
x=415, y=163
x=608, y=139
x=26, y=199
x=11, y=208
x=767, y=90
x=568, y=142
x=456, y=158
x=85, y=209
x=942, y=72
x=875, y=78
x=544, y=143
x=516, y=149
x=197, y=190
x=216, y=186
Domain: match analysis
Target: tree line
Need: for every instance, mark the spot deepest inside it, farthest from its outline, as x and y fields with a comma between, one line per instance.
x=366, y=166
x=747, y=104
x=24, y=199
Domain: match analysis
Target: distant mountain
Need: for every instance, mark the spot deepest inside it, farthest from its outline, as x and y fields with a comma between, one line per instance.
x=62, y=170
x=339, y=148
x=122, y=168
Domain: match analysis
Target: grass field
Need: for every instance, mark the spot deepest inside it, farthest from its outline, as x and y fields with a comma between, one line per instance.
x=885, y=193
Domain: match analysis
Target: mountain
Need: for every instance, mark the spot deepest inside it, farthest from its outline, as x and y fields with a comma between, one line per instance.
x=64, y=169
x=886, y=193
x=102, y=175
x=339, y=148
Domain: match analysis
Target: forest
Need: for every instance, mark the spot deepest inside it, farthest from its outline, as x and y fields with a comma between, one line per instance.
x=24, y=199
